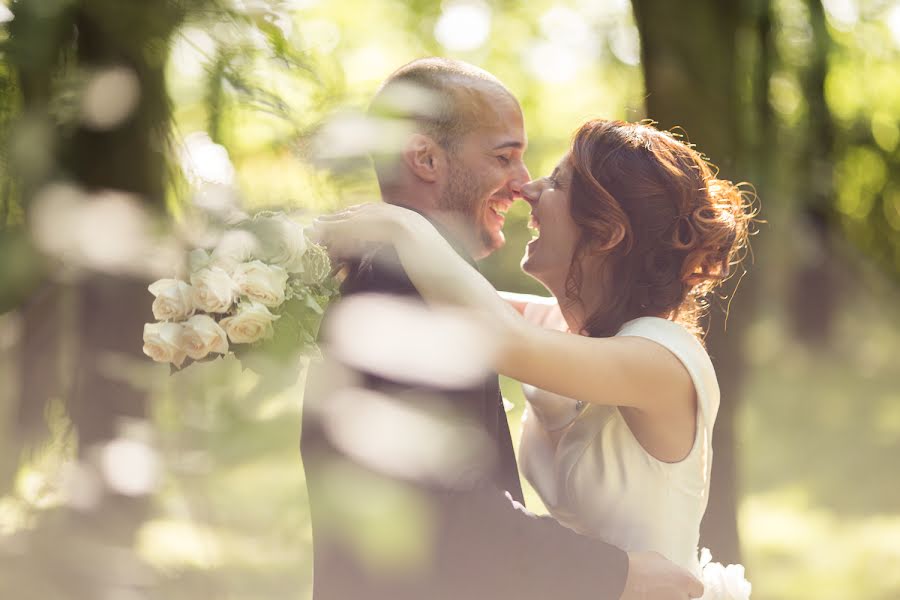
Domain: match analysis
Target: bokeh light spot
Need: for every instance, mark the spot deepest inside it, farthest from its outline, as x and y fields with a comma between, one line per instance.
x=885, y=130
x=893, y=23
x=110, y=97
x=193, y=50
x=130, y=467
x=842, y=14
x=463, y=26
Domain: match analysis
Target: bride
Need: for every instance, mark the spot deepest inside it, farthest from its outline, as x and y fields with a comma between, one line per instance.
x=633, y=231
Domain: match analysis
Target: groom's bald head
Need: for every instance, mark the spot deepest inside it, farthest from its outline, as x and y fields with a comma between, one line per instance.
x=442, y=98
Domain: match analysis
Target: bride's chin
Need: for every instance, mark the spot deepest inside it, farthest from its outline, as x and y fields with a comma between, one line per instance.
x=527, y=262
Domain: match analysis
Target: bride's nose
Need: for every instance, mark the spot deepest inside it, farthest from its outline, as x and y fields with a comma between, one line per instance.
x=531, y=191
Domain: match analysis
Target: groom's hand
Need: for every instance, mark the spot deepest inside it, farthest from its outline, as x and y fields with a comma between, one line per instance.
x=652, y=577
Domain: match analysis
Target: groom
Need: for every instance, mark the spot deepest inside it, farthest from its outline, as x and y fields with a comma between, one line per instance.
x=460, y=165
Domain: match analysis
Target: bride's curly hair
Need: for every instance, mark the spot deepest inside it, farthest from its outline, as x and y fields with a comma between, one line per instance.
x=672, y=230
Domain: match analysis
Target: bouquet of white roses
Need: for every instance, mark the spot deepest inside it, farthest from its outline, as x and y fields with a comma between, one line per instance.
x=259, y=293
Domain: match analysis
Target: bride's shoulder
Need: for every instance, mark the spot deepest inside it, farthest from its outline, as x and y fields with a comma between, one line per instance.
x=659, y=329
x=680, y=342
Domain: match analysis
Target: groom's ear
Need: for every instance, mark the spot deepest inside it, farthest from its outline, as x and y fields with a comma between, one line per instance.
x=423, y=156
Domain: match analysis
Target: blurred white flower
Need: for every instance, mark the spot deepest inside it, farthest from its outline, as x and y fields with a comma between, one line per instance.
x=213, y=290
x=201, y=336
x=261, y=282
x=6, y=15
x=162, y=342
x=438, y=445
x=109, y=231
x=352, y=136
x=406, y=341
x=198, y=258
x=173, y=300
x=280, y=239
x=204, y=161
x=723, y=583
x=252, y=322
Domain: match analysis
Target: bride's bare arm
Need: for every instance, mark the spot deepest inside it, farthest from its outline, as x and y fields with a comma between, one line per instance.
x=621, y=371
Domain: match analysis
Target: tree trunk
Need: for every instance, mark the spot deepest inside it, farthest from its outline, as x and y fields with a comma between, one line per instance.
x=100, y=315
x=695, y=79
x=815, y=275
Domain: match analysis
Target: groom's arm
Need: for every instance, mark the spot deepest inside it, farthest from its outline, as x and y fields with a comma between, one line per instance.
x=503, y=548
x=519, y=555
x=493, y=547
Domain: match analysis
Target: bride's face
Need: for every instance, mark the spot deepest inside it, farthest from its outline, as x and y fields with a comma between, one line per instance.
x=549, y=255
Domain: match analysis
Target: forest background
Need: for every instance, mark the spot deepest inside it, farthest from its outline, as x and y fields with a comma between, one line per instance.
x=200, y=489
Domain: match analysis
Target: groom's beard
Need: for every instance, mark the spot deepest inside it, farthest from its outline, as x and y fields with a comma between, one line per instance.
x=461, y=196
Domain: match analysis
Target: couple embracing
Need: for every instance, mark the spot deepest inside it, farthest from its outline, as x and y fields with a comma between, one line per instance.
x=634, y=230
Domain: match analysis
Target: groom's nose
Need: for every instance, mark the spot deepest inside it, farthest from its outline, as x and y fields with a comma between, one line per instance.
x=519, y=179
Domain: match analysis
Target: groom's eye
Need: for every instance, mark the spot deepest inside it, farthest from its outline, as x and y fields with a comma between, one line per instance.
x=504, y=160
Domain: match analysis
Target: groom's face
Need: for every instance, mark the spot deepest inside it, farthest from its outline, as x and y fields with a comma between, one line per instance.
x=486, y=171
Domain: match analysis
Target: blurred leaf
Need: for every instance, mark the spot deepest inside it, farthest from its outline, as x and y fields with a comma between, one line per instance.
x=22, y=268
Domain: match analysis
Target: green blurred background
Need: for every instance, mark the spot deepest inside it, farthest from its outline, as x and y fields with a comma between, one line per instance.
x=799, y=97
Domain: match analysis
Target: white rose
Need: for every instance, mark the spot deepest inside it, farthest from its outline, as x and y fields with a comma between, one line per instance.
x=173, y=300
x=723, y=583
x=282, y=241
x=252, y=322
x=162, y=342
x=261, y=282
x=213, y=290
x=235, y=247
x=201, y=336
x=198, y=259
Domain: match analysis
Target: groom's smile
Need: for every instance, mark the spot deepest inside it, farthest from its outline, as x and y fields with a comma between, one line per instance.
x=487, y=171
x=499, y=207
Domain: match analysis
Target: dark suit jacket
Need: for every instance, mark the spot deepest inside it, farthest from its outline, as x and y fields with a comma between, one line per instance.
x=477, y=542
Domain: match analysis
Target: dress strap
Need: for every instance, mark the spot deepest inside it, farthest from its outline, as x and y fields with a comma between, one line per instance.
x=688, y=349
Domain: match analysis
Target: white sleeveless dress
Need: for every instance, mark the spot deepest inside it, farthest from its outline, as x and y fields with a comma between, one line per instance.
x=599, y=481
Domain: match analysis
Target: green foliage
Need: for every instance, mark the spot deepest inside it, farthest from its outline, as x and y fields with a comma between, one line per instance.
x=819, y=428
x=279, y=359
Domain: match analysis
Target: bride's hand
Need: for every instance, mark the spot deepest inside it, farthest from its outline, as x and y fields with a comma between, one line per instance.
x=652, y=577
x=349, y=232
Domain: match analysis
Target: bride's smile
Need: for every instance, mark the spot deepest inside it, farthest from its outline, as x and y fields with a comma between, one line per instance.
x=548, y=256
